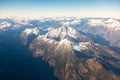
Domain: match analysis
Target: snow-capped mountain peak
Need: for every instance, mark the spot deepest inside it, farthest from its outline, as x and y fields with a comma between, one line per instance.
x=109, y=23
x=27, y=32
x=62, y=33
x=81, y=49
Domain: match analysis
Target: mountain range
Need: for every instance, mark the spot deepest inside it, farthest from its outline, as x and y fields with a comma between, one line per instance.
x=76, y=48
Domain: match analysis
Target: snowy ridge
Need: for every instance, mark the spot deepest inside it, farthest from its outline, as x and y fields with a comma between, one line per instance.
x=81, y=46
x=4, y=25
x=27, y=32
x=109, y=23
x=62, y=32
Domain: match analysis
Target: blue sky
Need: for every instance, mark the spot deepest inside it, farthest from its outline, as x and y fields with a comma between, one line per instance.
x=56, y=8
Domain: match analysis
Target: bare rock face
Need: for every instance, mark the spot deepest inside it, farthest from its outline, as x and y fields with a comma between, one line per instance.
x=28, y=35
x=77, y=48
x=77, y=59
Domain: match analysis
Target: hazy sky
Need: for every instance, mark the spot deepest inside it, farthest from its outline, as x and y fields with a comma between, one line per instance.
x=56, y=8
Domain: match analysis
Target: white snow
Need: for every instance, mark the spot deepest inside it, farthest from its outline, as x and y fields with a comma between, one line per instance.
x=109, y=23
x=113, y=24
x=62, y=32
x=21, y=21
x=96, y=22
x=81, y=46
x=25, y=34
x=68, y=23
x=57, y=32
x=43, y=37
x=72, y=32
x=29, y=31
x=4, y=25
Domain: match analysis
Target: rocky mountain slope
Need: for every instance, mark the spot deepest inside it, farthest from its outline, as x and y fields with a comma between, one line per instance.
x=75, y=56
x=77, y=48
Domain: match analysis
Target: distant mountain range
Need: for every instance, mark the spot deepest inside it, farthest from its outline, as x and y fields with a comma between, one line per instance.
x=77, y=48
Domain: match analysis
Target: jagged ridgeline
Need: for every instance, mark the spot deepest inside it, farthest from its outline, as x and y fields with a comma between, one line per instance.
x=76, y=48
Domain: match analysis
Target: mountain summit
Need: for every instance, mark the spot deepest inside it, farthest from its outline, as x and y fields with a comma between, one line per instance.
x=77, y=49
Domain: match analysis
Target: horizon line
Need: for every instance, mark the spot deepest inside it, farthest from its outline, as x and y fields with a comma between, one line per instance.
x=59, y=17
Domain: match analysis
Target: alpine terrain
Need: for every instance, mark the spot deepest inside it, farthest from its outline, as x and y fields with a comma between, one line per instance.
x=76, y=48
